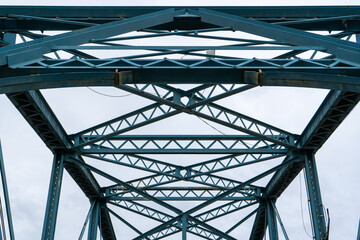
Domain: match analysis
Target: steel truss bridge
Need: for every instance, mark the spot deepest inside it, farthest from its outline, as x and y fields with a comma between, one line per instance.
x=138, y=50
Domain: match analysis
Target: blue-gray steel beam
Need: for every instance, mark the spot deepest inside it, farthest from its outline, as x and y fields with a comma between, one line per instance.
x=41, y=118
x=94, y=221
x=336, y=106
x=126, y=63
x=86, y=221
x=271, y=221
x=188, y=48
x=6, y=196
x=73, y=52
x=34, y=108
x=184, y=225
x=106, y=227
x=118, y=181
x=192, y=173
x=87, y=13
x=342, y=49
x=280, y=221
x=241, y=221
x=142, y=210
x=7, y=38
x=299, y=77
x=311, y=80
x=314, y=195
x=162, y=179
x=221, y=115
x=284, y=176
x=106, y=14
x=157, y=111
x=358, y=234
x=334, y=109
x=96, y=150
x=204, y=216
x=124, y=221
x=160, y=34
x=259, y=225
x=212, y=229
x=174, y=194
x=53, y=20
x=13, y=55
x=52, y=204
x=211, y=201
x=207, y=180
x=224, y=209
x=129, y=144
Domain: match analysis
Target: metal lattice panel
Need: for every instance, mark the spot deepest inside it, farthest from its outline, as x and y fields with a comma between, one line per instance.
x=181, y=183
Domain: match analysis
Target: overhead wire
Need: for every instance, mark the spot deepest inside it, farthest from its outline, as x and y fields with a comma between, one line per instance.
x=212, y=126
x=302, y=211
x=108, y=95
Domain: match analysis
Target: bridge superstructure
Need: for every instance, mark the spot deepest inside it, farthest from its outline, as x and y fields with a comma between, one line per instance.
x=134, y=49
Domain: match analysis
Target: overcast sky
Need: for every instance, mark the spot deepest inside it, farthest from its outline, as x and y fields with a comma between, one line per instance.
x=28, y=161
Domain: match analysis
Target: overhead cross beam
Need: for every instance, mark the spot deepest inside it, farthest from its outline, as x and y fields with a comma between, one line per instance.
x=308, y=17
x=342, y=49
x=13, y=55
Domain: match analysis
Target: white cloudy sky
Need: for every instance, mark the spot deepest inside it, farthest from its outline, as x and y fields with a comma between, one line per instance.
x=28, y=162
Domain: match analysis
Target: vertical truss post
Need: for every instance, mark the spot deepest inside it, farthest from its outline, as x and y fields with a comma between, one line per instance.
x=94, y=221
x=184, y=224
x=313, y=189
x=271, y=220
x=6, y=196
x=53, y=196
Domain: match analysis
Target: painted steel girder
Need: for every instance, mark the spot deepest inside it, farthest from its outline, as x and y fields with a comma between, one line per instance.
x=162, y=179
x=160, y=216
x=110, y=13
x=345, y=50
x=157, y=112
x=128, y=64
x=105, y=223
x=336, y=106
x=73, y=52
x=259, y=226
x=53, y=199
x=16, y=80
x=197, y=208
x=188, y=193
x=317, y=209
x=198, y=173
x=37, y=112
x=205, y=231
x=12, y=55
x=41, y=118
x=127, y=122
x=33, y=106
x=125, y=185
x=334, y=109
x=271, y=221
x=142, y=210
x=129, y=147
x=185, y=172
x=308, y=18
x=204, y=108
